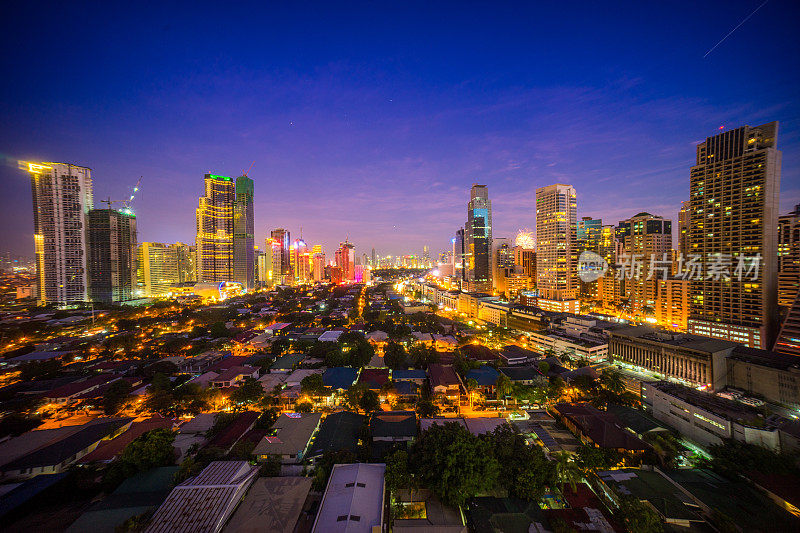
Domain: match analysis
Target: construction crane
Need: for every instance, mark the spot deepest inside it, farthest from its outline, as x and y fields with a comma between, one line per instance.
x=127, y=205
x=245, y=172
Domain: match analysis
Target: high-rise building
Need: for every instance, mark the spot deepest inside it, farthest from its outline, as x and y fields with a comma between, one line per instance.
x=672, y=302
x=112, y=255
x=459, y=255
x=556, y=235
x=300, y=261
x=789, y=257
x=647, y=241
x=156, y=269
x=283, y=238
x=62, y=198
x=345, y=258
x=273, y=248
x=264, y=269
x=788, y=341
x=215, y=229
x=683, y=229
x=318, y=270
x=244, y=262
x=734, y=202
x=374, y=262
x=589, y=233
x=478, y=240
x=187, y=262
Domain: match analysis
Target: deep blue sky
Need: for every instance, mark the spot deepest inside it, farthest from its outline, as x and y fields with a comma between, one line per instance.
x=372, y=120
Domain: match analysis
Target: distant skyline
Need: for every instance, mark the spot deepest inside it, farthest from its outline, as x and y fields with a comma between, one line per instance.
x=372, y=122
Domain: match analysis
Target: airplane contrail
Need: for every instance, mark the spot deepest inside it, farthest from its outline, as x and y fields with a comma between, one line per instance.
x=736, y=28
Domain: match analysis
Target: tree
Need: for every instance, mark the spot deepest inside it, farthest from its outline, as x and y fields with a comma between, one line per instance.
x=304, y=407
x=426, y=409
x=313, y=386
x=248, y=393
x=462, y=365
x=394, y=355
x=160, y=382
x=357, y=350
x=611, y=380
x=369, y=401
x=218, y=330
x=544, y=367
x=115, y=396
x=524, y=470
x=453, y=463
x=422, y=355
x=149, y=450
x=399, y=474
x=353, y=395
x=279, y=345
x=502, y=386
x=638, y=516
x=567, y=471
x=591, y=459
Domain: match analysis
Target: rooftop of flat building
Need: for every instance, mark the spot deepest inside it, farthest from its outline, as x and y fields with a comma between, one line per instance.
x=683, y=340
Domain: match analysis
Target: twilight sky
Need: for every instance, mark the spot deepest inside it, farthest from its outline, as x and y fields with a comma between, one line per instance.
x=372, y=120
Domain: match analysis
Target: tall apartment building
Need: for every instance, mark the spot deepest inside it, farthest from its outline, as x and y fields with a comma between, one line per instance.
x=244, y=259
x=318, y=266
x=281, y=260
x=345, y=258
x=556, y=235
x=788, y=257
x=160, y=266
x=215, y=230
x=299, y=259
x=62, y=198
x=187, y=261
x=459, y=252
x=502, y=261
x=646, y=238
x=734, y=201
x=112, y=255
x=672, y=302
x=788, y=341
x=589, y=235
x=478, y=240
x=156, y=269
x=273, y=247
x=683, y=229
x=264, y=271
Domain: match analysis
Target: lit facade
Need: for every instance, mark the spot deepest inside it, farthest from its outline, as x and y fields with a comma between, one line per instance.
x=734, y=201
x=478, y=240
x=215, y=229
x=645, y=237
x=788, y=257
x=112, y=255
x=556, y=235
x=156, y=269
x=244, y=261
x=280, y=259
x=672, y=302
x=62, y=198
x=345, y=258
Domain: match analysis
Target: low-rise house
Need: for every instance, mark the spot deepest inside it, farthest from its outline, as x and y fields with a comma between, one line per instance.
x=66, y=394
x=485, y=376
x=600, y=429
x=233, y=376
x=330, y=336
x=415, y=375
x=339, y=377
x=374, y=378
x=52, y=451
x=393, y=426
x=289, y=437
x=524, y=375
x=287, y=363
x=445, y=381
x=205, y=502
x=353, y=501
x=511, y=354
x=272, y=504
x=338, y=431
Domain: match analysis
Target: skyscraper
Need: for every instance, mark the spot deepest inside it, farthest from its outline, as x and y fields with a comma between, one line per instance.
x=346, y=261
x=318, y=270
x=112, y=255
x=734, y=201
x=283, y=238
x=458, y=255
x=187, y=262
x=556, y=232
x=156, y=268
x=683, y=229
x=62, y=198
x=478, y=240
x=244, y=233
x=788, y=257
x=215, y=229
x=646, y=239
x=589, y=233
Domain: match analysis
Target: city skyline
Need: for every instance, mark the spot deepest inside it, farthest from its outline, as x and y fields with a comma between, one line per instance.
x=388, y=138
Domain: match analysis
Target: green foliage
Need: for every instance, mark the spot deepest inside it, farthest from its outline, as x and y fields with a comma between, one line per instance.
x=567, y=471
x=524, y=470
x=453, y=463
x=733, y=458
x=502, y=386
x=369, y=401
x=395, y=355
x=399, y=474
x=248, y=393
x=149, y=450
x=422, y=355
x=356, y=349
x=313, y=385
x=325, y=464
x=217, y=330
x=462, y=365
x=304, y=407
x=638, y=516
x=426, y=409
x=544, y=367
x=115, y=396
x=279, y=346
x=591, y=459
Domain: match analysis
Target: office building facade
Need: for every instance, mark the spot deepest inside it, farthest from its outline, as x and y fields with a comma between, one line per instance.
x=244, y=261
x=788, y=257
x=281, y=259
x=215, y=229
x=647, y=241
x=478, y=240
